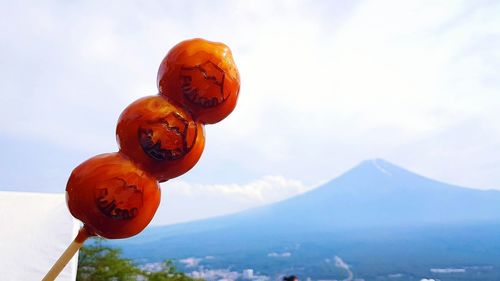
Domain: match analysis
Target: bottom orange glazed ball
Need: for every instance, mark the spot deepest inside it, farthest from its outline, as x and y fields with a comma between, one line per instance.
x=112, y=196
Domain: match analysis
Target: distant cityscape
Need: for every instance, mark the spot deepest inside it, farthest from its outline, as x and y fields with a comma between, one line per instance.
x=209, y=274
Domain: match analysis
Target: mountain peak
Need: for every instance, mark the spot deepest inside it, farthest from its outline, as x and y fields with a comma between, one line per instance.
x=378, y=166
x=376, y=174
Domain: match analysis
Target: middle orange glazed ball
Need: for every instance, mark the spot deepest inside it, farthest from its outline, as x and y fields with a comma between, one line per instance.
x=160, y=137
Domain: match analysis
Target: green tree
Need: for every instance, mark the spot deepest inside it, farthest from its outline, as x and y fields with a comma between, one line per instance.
x=100, y=263
x=97, y=262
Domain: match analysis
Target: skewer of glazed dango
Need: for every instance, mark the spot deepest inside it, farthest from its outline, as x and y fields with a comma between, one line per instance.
x=160, y=137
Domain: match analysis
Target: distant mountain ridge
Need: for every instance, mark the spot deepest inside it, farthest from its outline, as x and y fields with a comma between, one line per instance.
x=372, y=194
x=377, y=193
x=375, y=200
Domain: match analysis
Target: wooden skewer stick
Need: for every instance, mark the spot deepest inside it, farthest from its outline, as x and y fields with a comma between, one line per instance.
x=83, y=234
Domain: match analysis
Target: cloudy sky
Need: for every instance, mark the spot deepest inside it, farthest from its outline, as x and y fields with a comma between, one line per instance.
x=325, y=85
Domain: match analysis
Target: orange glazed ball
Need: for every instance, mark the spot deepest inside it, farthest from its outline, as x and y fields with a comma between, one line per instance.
x=160, y=137
x=111, y=196
x=202, y=76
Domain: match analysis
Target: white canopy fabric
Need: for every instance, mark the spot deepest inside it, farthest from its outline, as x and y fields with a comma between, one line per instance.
x=35, y=229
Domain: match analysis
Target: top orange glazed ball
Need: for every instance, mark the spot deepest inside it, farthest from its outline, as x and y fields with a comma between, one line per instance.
x=202, y=77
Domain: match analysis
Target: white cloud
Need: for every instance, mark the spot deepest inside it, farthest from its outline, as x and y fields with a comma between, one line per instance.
x=387, y=80
x=324, y=85
x=183, y=201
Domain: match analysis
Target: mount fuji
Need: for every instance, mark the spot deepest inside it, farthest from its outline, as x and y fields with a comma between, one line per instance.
x=385, y=222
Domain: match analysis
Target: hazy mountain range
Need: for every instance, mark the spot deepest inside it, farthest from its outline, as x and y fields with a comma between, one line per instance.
x=383, y=221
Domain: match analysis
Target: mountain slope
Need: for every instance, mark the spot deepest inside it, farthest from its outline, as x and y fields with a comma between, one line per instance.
x=373, y=194
x=377, y=193
x=374, y=209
